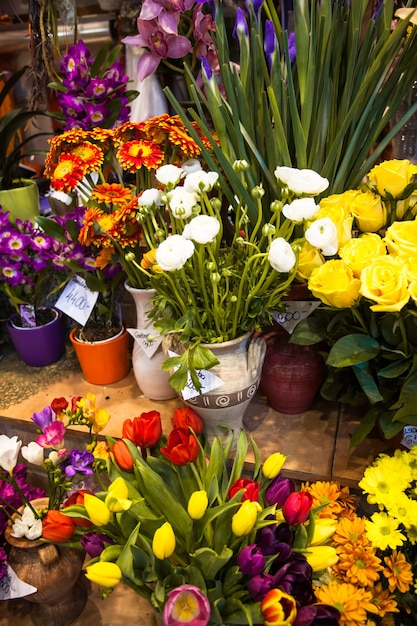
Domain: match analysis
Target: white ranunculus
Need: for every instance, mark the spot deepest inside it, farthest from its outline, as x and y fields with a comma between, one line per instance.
x=202, y=229
x=200, y=181
x=300, y=209
x=322, y=234
x=173, y=252
x=33, y=453
x=191, y=166
x=281, y=256
x=150, y=197
x=307, y=182
x=283, y=173
x=9, y=451
x=181, y=202
x=169, y=175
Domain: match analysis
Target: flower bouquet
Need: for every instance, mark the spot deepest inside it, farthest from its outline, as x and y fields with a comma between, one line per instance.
x=368, y=291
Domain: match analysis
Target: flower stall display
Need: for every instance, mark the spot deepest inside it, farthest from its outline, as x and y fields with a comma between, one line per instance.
x=368, y=294
x=205, y=539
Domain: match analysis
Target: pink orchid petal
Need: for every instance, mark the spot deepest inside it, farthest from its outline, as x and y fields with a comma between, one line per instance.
x=147, y=64
x=150, y=10
x=178, y=46
x=169, y=21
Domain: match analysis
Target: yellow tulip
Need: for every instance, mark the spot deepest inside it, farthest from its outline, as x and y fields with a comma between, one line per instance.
x=244, y=519
x=273, y=464
x=163, y=543
x=104, y=574
x=197, y=504
x=323, y=530
x=96, y=509
x=321, y=557
x=116, y=499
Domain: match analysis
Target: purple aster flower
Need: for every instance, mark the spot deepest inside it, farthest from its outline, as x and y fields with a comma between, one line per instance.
x=44, y=418
x=279, y=490
x=78, y=461
x=251, y=561
x=258, y=586
x=53, y=436
x=317, y=615
x=94, y=543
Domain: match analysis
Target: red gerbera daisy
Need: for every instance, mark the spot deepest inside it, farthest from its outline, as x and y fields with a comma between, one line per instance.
x=136, y=154
x=67, y=173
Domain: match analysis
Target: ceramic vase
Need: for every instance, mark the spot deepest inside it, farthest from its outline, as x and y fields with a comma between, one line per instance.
x=240, y=367
x=38, y=345
x=150, y=377
x=55, y=571
x=21, y=202
x=103, y=362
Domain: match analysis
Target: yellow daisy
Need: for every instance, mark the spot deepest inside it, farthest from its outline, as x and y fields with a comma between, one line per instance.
x=383, y=532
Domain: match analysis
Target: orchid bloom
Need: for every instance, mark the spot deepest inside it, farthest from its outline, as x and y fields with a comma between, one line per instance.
x=167, y=12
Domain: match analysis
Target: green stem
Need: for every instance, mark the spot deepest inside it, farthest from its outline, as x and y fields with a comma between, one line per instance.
x=13, y=482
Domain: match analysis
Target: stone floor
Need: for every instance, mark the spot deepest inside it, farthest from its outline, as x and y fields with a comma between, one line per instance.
x=316, y=442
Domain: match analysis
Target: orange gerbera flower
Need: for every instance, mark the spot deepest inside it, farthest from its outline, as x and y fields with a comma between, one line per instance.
x=105, y=257
x=87, y=233
x=112, y=193
x=180, y=138
x=136, y=154
x=352, y=602
x=398, y=572
x=358, y=564
x=384, y=601
x=148, y=259
x=67, y=173
x=91, y=155
x=350, y=530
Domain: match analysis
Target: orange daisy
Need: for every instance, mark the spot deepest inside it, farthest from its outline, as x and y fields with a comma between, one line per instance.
x=325, y=492
x=87, y=233
x=350, y=530
x=105, y=257
x=67, y=173
x=112, y=193
x=384, y=601
x=136, y=154
x=352, y=602
x=181, y=139
x=398, y=572
x=358, y=565
x=91, y=155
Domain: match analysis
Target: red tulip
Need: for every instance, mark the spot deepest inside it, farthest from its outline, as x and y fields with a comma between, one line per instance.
x=251, y=488
x=57, y=527
x=185, y=417
x=145, y=431
x=78, y=498
x=122, y=455
x=182, y=447
x=296, y=507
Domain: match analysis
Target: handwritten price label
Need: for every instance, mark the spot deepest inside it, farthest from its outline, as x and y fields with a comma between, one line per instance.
x=409, y=436
x=146, y=340
x=208, y=380
x=77, y=300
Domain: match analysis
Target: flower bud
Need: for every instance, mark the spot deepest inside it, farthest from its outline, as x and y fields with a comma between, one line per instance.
x=240, y=165
x=197, y=504
x=215, y=277
x=258, y=192
x=122, y=456
x=163, y=543
x=273, y=464
x=268, y=230
x=296, y=507
x=244, y=519
x=216, y=204
x=116, y=498
x=323, y=530
x=321, y=557
x=104, y=574
x=97, y=511
x=276, y=206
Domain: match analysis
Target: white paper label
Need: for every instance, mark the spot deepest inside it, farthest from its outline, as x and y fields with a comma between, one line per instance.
x=297, y=310
x=409, y=436
x=148, y=342
x=77, y=300
x=208, y=380
x=12, y=587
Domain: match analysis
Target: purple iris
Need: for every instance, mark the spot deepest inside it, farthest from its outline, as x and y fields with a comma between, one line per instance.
x=206, y=67
x=94, y=543
x=270, y=41
x=291, y=46
x=78, y=461
x=44, y=418
x=241, y=26
x=250, y=560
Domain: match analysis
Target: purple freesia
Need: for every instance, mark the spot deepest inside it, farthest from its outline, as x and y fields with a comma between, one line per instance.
x=94, y=543
x=78, y=461
x=44, y=418
x=250, y=560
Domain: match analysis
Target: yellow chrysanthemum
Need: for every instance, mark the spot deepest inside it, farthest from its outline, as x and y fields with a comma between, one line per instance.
x=383, y=532
x=358, y=565
x=387, y=477
x=384, y=601
x=352, y=602
x=398, y=572
x=403, y=509
x=351, y=530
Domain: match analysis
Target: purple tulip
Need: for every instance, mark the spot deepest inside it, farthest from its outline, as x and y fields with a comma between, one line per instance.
x=294, y=577
x=186, y=604
x=94, y=543
x=78, y=461
x=270, y=538
x=250, y=560
x=317, y=615
x=258, y=586
x=44, y=418
x=279, y=490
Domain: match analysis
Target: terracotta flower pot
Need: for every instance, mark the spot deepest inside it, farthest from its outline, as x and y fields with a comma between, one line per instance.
x=103, y=362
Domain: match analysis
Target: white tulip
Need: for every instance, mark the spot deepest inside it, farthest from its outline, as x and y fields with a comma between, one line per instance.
x=322, y=234
x=281, y=256
x=9, y=451
x=202, y=229
x=169, y=175
x=300, y=209
x=33, y=453
x=181, y=202
x=200, y=181
x=173, y=252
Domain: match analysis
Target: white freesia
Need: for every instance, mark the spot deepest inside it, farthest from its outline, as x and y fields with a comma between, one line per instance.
x=33, y=453
x=200, y=181
x=190, y=166
x=54, y=458
x=322, y=234
x=300, y=209
x=28, y=516
x=202, y=229
x=302, y=181
x=9, y=451
x=34, y=531
x=181, y=202
x=169, y=175
x=27, y=525
x=173, y=252
x=150, y=197
x=281, y=256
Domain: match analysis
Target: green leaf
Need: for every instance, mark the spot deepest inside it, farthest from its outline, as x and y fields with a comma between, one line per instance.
x=368, y=383
x=309, y=331
x=352, y=349
x=209, y=562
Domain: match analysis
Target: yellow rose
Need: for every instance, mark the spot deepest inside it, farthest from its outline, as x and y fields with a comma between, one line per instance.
x=343, y=200
x=370, y=212
x=401, y=239
x=392, y=176
x=343, y=220
x=359, y=252
x=411, y=265
x=308, y=259
x=334, y=284
x=412, y=288
x=385, y=282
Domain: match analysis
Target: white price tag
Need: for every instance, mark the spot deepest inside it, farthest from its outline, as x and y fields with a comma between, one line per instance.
x=208, y=380
x=12, y=587
x=146, y=340
x=77, y=300
x=409, y=436
x=296, y=310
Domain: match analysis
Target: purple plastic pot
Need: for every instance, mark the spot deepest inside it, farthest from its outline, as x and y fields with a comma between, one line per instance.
x=39, y=345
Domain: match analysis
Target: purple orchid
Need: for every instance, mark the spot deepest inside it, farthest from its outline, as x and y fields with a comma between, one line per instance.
x=160, y=44
x=78, y=461
x=167, y=12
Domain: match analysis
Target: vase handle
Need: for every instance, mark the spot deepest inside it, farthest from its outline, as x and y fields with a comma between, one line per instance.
x=256, y=355
x=49, y=555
